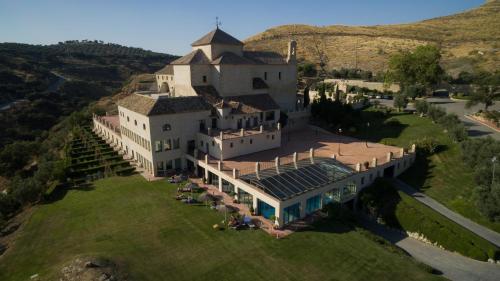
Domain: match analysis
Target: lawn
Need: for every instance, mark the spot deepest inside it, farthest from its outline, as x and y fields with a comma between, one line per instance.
x=138, y=225
x=443, y=176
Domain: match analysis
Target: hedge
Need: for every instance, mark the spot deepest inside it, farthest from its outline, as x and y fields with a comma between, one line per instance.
x=402, y=211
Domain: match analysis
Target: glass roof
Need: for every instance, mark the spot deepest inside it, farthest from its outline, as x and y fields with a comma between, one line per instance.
x=293, y=181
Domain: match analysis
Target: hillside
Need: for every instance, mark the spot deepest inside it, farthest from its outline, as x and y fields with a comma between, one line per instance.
x=468, y=40
x=39, y=85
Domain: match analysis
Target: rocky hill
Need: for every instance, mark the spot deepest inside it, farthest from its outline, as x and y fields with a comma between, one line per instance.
x=469, y=40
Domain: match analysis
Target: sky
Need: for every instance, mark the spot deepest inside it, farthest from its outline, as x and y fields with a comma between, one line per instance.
x=171, y=26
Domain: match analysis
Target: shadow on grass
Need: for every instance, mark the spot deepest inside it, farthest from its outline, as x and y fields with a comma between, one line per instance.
x=420, y=171
x=60, y=191
x=381, y=125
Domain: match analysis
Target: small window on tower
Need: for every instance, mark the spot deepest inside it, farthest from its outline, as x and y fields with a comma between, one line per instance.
x=204, y=79
x=279, y=75
x=265, y=75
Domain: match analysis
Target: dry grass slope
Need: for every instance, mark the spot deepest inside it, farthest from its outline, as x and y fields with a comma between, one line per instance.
x=469, y=40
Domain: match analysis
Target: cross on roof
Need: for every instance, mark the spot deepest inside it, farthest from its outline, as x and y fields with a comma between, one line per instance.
x=217, y=22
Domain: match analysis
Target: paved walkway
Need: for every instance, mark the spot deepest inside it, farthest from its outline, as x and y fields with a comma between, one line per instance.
x=452, y=265
x=486, y=233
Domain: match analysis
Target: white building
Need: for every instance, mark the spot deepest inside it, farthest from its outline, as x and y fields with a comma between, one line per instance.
x=217, y=111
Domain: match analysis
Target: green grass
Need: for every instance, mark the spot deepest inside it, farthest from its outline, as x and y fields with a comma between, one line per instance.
x=443, y=176
x=138, y=225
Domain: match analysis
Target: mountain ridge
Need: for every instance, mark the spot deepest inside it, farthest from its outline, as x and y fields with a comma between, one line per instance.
x=469, y=41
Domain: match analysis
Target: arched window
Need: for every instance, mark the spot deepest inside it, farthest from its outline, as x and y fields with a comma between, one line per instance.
x=167, y=127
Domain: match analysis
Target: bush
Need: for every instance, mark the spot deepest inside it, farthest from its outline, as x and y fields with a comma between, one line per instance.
x=458, y=132
x=489, y=201
x=421, y=106
x=8, y=205
x=448, y=120
x=426, y=145
x=435, y=113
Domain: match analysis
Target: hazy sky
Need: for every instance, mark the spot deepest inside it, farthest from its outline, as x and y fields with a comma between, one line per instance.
x=170, y=26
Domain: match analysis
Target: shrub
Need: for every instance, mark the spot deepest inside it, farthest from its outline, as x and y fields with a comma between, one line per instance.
x=435, y=112
x=426, y=145
x=421, y=106
x=458, y=132
x=8, y=205
x=448, y=120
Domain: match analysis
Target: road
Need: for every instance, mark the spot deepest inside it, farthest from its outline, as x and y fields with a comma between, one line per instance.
x=474, y=128
x=452, y=265
x=480, y=230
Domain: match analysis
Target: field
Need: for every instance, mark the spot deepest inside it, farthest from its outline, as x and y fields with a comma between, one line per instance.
x=443, y=176
x=139, y=226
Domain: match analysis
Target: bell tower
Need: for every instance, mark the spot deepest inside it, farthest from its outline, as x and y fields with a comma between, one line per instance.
x=292, y=52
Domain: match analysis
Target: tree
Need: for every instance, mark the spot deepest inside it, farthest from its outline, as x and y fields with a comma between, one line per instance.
x=306, y=97
x=400, y=101
x=414, y=91
x=307, y=69
x=485, y=94
x=15, y=156
x=421, y=106
x=489, y=201
x=418, y=67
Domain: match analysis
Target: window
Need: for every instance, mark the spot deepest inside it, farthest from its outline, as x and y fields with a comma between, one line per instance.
x=158, y=146
x=159, y=166
x=201, y=144
x=176, y=143
x=242, y=140
x=204, y=79
x=362, y=180
x=265, y=75
x=272, y=137
x=128, y=119
x=168, y=144
x=279, y=75
x=169, y=165
x=231, y=144
x=270, y=116
x=213, y=143
x=166, y=127
x=135, y=122
x=143, y=126
x=251, y=141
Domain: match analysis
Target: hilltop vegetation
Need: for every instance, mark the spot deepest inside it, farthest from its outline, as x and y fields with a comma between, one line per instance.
x=55, y=80
x=468, y=41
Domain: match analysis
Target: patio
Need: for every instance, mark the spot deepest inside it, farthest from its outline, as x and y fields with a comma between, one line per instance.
x=263, y=223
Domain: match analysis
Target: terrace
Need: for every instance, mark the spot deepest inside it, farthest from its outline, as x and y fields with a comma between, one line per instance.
x=110, y=121
x=346, y=150
x=306, y=160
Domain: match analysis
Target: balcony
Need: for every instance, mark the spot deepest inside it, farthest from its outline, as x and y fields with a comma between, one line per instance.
x=244, y=132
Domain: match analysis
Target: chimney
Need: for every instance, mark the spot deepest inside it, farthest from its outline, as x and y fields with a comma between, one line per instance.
x=292, y=52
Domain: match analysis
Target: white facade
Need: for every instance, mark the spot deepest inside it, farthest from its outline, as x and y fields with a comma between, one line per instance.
x=221, y=103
